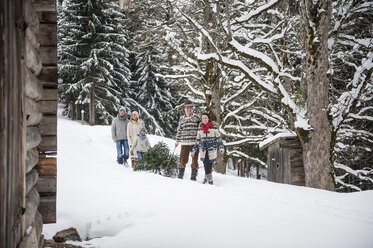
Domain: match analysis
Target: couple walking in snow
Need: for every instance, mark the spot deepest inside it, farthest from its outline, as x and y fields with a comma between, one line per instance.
x=198, y=136
x=129, y=136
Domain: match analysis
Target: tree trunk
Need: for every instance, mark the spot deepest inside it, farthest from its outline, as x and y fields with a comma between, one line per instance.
x=315, y=20
x=257, y=172
x=92, y=108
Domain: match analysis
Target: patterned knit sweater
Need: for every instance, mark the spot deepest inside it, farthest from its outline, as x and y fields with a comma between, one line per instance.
x=209, y=141
x=187, y=129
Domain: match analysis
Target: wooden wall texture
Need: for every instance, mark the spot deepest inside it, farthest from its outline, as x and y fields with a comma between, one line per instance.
x=285, y=161
x=47, y=165
x=28, y=107
x=12, y=124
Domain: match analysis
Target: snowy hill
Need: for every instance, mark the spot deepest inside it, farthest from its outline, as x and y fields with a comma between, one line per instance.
x=117, y=207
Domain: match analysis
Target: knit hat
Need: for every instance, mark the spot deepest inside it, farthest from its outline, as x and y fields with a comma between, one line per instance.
x=122, y=109
x=142, y=129
x=136, y=113
x=188, y=103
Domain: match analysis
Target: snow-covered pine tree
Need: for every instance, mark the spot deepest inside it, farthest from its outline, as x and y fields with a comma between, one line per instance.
x=154, y=97
x=93, y=57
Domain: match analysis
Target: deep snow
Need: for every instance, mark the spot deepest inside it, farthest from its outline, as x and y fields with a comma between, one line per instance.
x=114, y=206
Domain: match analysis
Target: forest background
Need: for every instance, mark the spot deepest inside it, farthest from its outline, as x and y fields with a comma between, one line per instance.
x=258, y=67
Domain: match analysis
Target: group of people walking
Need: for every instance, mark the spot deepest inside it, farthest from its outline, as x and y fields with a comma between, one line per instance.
x=129, y=136
x=197, y=136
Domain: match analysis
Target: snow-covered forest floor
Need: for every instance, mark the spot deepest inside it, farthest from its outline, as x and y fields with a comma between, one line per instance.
x=113, y=206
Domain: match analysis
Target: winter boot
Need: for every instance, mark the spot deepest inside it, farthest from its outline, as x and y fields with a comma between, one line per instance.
x=209, y=178
x=133, y=162
x=181, y=173
x=204, y=181
x=193, y=177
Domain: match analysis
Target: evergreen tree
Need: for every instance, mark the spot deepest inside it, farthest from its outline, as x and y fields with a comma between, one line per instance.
x=93, y=57
x=154, y=97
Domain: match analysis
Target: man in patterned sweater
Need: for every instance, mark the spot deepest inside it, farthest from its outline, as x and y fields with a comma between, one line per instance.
x=186, y=136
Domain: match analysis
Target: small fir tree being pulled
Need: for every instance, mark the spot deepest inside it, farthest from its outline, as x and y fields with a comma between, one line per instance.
x=159, y=160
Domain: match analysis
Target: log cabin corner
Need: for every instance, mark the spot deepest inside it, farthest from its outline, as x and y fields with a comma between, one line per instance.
x=28, y=109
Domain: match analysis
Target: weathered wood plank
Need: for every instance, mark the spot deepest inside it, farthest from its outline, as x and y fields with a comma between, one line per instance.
x=33, y=137
x=47, y=167
x=48, y=107
x=32, y=203
x=33, y=59
x=31, y=37
x=31, y=17
x=285, y=163
x=50, y=95
x=32, y=158
x=47, y=184
x=33, y=239
x=48, y=125
x=31, y=179
x=32, y=111
x=47, y=16
x=30, y=240
x=33, y=87
x=49, y=76
x=44, y=5
x=12, y=138
x=47, y=35
x=47, y=209
x=38, y=223
x=48, y=55
x=48, y=144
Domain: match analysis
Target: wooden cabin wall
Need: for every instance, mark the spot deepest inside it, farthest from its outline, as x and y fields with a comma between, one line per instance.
x=33, y=116
x=285, y=162
x=12, y=124
x=278, y=164
x=28, y=108
x=47, y=165
x=292, y=147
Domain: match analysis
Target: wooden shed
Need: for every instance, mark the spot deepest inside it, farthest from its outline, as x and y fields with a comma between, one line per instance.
x=284, y=159
x=28, y=124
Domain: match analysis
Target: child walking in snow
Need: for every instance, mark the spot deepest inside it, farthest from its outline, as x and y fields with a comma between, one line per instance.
x=141, y=144
x=208, y=142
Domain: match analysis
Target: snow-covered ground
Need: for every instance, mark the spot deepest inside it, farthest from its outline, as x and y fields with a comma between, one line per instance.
x=116, y=207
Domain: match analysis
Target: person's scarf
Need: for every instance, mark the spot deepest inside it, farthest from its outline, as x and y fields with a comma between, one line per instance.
x=206, y=127
x=122, y=117
x=142, y=137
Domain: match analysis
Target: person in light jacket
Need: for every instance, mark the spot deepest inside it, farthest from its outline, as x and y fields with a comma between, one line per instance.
x=208, y=143
x=119, y=136
x=133, y=130
x=141, y=144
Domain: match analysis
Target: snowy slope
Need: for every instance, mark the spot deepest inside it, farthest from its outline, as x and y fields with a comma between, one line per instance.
x=117, y=207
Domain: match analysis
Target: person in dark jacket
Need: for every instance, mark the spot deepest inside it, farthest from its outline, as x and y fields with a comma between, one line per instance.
x=119, y=136
x=208, y=143
x=186, y=136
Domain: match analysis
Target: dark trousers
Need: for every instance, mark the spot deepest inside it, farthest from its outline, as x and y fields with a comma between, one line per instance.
x=207, y=164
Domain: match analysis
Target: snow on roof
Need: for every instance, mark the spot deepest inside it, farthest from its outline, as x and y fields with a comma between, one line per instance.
x=272, y=139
